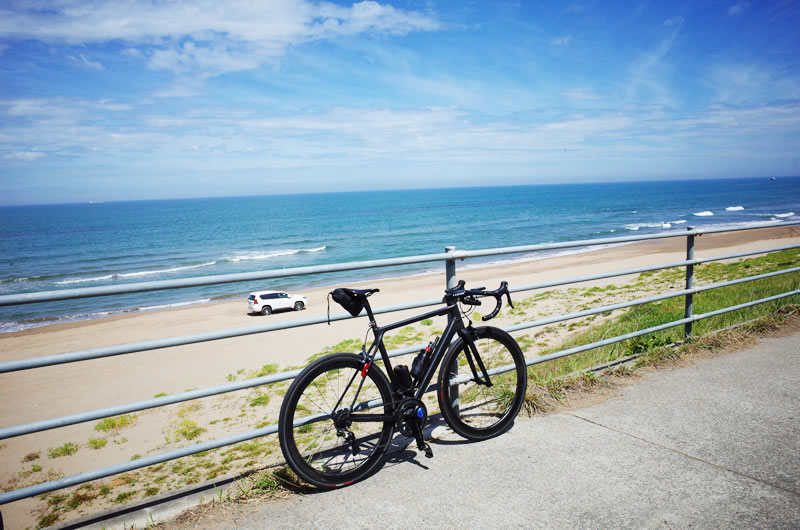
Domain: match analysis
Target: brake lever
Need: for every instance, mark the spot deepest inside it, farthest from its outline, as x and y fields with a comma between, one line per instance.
x=504, y=288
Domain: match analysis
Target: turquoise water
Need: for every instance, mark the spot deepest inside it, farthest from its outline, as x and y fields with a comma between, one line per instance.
x=85, y=245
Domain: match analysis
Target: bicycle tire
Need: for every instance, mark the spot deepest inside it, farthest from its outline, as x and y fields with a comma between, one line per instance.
x=315, y=451
x=475, y=411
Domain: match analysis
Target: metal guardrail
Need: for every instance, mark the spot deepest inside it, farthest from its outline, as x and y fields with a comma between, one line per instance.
x=450, y=256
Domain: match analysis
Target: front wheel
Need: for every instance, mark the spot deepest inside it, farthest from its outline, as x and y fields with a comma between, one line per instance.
x=298, y=306
x=320, y=433
x=473, y=409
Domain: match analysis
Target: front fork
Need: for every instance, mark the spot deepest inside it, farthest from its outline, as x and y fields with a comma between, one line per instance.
x=473, y=357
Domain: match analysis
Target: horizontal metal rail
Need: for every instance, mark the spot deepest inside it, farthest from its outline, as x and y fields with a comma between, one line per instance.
x=80, y=478
x=199, y=281
x=449, y=257
x=110, y=351
x=674, y=323
x=63, y=421
x=72, y=419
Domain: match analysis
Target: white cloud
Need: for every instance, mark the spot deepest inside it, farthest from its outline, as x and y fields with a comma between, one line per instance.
x=23, y=156
x=205, y=34
x=738, y=8
x=561, y=41
x=86, y=63
x=580, y=94
x=649, y=80
x=751, y=84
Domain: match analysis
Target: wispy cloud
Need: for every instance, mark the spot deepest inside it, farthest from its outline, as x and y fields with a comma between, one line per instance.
x=82, y=61
x=206, y=36
x=23, y=156
x=752, y=84
x=561, y=41
x=738, y=8
x=579, y=94
x=647, y=83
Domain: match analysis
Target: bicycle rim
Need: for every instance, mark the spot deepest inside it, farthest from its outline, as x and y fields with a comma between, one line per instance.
x=477, y=411
x=314, y=447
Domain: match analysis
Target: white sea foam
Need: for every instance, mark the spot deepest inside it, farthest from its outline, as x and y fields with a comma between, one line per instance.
x=734, y=208
x=679, y=222
x=171, y=306
x=706, y=213
x=784, y=215
x=135, y=274
x=636, y=226
x=275, y=254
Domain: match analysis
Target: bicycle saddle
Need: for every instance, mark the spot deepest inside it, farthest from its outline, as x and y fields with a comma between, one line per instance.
x=353, y=300
x=360, y=292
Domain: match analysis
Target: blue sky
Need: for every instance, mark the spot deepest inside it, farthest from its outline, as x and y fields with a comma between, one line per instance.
x=141, y=99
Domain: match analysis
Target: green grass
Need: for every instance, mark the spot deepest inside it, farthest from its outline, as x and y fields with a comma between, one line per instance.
x=117, y=422
x=260, y=400
x=48, y=519
x=123, y=498
x=189, y=429
x=349, y=345
x=67, y=449
x=267, y=369
x=661, y=312
x=97, y=443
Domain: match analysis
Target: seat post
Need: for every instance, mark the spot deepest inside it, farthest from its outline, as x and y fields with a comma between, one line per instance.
x=372, y=322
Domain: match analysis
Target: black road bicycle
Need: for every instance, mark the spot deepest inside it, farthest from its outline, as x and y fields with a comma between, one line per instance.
x=339, y=415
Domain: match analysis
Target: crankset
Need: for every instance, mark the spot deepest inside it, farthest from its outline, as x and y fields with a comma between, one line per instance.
x=410, y=418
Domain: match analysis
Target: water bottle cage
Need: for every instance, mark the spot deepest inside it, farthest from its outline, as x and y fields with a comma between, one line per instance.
x=419, y=363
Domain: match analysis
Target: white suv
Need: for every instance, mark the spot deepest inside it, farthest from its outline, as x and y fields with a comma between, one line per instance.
x=265, y=302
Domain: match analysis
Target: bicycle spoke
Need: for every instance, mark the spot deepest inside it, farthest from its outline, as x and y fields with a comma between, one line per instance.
x=326, y=447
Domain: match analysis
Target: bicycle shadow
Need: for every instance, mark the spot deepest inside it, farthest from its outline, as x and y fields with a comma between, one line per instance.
x=403, y=449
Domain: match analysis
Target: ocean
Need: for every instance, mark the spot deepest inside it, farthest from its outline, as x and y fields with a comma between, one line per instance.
x=53, y=247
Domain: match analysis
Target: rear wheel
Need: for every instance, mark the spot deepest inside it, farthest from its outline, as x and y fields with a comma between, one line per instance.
x=320, y=438
x=266, y=310
x=474, y=410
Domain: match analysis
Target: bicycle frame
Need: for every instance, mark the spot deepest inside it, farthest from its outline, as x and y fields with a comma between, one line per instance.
x=454, y=327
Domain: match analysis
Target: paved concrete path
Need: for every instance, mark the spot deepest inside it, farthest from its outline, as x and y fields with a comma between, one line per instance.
x=714, y=445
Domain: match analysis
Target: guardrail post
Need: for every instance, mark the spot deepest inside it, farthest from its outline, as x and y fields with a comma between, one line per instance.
x=450, y=268
x=450, y=275
x=689, y=303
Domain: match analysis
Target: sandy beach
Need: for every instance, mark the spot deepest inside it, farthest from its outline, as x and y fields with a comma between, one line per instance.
x=77, y=387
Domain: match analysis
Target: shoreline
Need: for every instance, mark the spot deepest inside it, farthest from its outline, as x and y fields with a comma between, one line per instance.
x=69, y=321
x=583, y=262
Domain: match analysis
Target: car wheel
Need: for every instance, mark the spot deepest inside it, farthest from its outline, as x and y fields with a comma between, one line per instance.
x=266, y=310
x=298, y=306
